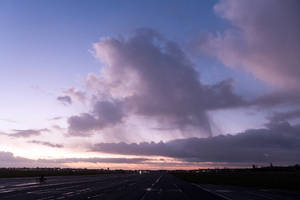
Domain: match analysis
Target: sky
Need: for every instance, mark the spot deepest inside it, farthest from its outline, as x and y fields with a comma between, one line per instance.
x=149, y=84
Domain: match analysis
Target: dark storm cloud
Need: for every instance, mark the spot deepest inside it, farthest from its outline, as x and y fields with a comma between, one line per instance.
x=279, y=143
x=46, y=144
x=278, y=117
x=288, y=99
x=278, y=98
x=27, y=133
x=66, y=100
x=263, y=39
x=146, y=75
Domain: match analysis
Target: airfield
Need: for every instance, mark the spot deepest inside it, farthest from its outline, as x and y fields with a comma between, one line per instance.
x=153, y=185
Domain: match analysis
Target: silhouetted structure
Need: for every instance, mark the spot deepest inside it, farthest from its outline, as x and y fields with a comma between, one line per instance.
x=42, y=179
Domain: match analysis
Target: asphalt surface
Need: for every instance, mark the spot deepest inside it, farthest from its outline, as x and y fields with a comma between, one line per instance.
x=123, y=186
x=235, y=192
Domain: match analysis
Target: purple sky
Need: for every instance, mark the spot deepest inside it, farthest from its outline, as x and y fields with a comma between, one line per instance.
x=149, y=84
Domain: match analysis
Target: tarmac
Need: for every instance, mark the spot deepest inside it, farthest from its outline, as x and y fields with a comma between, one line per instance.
x=154, y=185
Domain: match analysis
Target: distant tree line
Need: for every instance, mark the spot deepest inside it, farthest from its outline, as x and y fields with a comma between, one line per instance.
x=35, y=172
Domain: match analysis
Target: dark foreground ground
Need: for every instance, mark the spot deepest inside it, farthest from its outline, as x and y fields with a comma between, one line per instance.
x=281, y=179
x=154, y=185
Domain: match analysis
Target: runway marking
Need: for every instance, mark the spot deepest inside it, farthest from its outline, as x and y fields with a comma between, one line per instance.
x=151, y=188
x=44, y=198
x=160, y=191
x=180, y=190
x=97, y=195
x=260, y=195
x=60, y=197
x=225, y=191
x=68, y=193
x=157, y=180
x=212, y=192
x=265, y=190
x=25, y=184
x=6, y=190
x=84, y=190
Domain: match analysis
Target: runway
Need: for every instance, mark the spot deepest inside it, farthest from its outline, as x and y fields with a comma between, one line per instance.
x=155, y=185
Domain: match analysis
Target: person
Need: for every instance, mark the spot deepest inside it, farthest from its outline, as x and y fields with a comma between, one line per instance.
x=42, y=179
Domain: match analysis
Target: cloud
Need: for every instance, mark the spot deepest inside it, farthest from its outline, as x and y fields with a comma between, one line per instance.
x=56, y=118
x=263, y=39
x=278, y=117
x=104, y=114
x=46, y=144
x=8, y=120
x=279, y=143
x=96, y=160
x=58, y=128
x=75, y=94
x=66, y=100
x=27, y=133
x=7, y=159
x=278, y=98
x=149, y=76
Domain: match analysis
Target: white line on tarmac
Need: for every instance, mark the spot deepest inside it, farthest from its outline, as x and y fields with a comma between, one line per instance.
x=212, y=192
x=150, y=189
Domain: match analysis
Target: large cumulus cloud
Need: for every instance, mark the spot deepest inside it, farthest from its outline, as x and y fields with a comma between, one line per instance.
x=147, y=75
x=280, y=143
x=264, y=39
